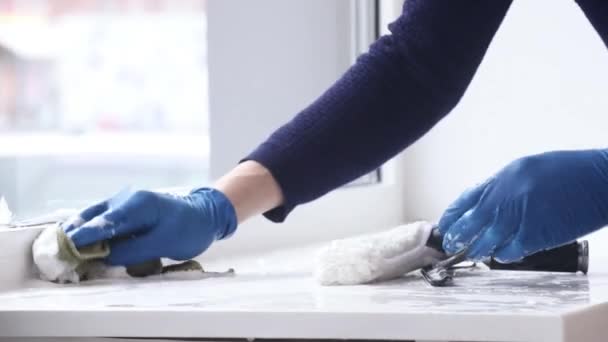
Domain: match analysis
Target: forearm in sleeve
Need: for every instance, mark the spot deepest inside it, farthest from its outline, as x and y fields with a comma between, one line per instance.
x=597, y=13
x=392, y=95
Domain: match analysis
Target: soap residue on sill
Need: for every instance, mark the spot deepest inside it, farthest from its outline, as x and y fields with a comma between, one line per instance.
x=6, y=215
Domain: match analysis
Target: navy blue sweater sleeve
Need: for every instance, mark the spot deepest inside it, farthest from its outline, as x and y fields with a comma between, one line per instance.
x=597, y=13
x=392, y=95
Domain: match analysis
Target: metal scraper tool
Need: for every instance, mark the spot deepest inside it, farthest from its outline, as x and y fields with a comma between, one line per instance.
x=571, y=258
x=442, y=273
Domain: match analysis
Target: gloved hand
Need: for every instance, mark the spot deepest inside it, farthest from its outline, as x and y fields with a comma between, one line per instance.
x=535, y=203
x=147, y=225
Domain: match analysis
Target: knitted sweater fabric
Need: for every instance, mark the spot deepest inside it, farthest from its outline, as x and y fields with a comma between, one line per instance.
x=393, y=94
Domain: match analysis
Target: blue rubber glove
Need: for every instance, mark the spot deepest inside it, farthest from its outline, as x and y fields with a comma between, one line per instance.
x=535, y=203
x=144, y=225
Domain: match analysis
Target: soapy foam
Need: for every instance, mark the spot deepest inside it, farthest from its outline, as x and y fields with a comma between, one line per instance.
x=99, y=222
x=5, y=214
x=376, y=257
x=74, y=221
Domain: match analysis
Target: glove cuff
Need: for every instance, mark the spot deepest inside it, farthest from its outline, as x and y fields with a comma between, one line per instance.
x=222, y=209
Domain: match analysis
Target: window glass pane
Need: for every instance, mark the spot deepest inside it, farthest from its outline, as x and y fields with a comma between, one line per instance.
x=96, y=95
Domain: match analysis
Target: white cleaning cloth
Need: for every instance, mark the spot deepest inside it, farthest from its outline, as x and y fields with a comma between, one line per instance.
x=58, y=262
x=376, y=257
x=46, y=257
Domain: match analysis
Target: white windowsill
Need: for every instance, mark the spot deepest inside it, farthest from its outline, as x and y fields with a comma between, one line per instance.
x=274, y=296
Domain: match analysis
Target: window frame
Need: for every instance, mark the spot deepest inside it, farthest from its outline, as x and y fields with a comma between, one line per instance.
x=344, y=212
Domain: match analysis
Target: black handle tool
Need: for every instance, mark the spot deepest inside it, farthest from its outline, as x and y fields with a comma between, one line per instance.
x=573, y=257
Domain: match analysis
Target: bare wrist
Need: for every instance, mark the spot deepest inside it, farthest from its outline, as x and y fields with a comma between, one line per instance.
x=251, y=189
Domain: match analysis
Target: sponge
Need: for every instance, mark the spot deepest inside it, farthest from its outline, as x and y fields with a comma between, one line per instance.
x=376, y=257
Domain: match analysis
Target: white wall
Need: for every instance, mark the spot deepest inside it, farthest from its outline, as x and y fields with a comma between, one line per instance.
x=268, y=59
x=542, y=86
